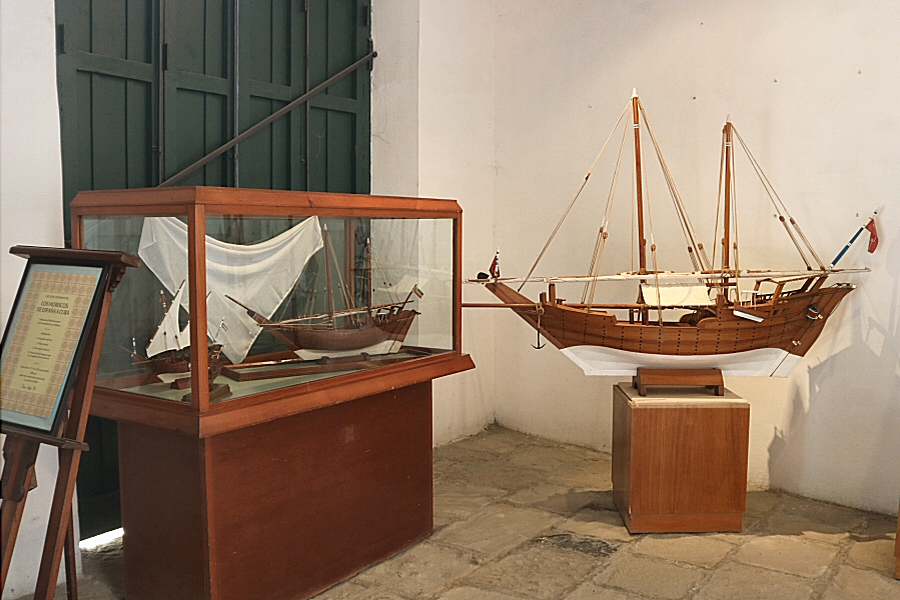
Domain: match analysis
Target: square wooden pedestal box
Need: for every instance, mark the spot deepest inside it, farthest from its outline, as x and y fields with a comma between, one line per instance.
x=680, y=459
x=280, y=510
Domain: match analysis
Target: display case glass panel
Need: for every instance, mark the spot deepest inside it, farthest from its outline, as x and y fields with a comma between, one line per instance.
x=290, y=299
x=147, y=337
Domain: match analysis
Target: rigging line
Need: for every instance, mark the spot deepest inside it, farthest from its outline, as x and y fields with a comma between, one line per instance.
x=656, y=276
x=719, y=198
x=572, y=203
x=787, y=212
x=734, y=219
x=773, y=195
x=603, y=233
x=645, y=316
x=687, y=225
x=384, y=278
x=654, y=255
x=770, y=189
x=345, y=292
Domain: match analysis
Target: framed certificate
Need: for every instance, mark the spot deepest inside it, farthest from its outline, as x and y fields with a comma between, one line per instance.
x=45, y=336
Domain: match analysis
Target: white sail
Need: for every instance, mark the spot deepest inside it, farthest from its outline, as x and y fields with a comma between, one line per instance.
x=168, y=336
x=676, y=294
x=261, y=275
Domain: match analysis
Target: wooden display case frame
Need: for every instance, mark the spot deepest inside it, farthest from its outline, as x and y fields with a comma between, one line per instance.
x=201, y=418
x=287, y=492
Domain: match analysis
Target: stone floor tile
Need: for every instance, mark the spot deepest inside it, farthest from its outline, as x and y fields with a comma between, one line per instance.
x=497, y=529
x=459, y=452
x=779, y=524
x=556, y=498
x=592, y=475
x=501, y=474
x=879, y=526
x=537, y=572
x=841, y=517
x=454, y=500
x=761, y=502
x=496, y=440
x=593, y=591
x=877, y=555
x=854, y=584
x=604, y=524
x=470, y=593
x=453, y=470
x=700, y=551
x=792, y=555
x=743, y=582
x=423, y=569
x=649, y=577
x=354, y=591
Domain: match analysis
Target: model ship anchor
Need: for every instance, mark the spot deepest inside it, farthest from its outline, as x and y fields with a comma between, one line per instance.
x=751, y=332
x=354, y=331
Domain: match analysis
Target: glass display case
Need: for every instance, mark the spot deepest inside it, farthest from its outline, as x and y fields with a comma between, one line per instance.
x=296, y=291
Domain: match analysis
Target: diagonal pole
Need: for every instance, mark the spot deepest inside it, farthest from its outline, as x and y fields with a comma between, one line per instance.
x=267, y=121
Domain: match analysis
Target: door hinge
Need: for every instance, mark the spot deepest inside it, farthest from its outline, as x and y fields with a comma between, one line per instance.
x=367, y=15
x=61, y=38
x=371, y=46
x=164, y=58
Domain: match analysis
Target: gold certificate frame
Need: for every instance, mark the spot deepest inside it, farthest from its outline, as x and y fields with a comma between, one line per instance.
x=43, y=341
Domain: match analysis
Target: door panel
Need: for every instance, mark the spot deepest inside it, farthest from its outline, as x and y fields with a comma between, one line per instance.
x=148, y=87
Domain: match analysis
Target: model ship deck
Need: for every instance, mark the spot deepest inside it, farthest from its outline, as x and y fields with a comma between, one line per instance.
x=709, y=322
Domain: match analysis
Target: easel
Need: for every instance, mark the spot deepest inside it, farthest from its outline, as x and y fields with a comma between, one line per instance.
x=21, y=447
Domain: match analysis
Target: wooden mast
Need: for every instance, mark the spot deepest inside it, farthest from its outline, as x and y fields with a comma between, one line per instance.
x=329, y=292
x=729, y=156
x=369, y=275
x=642, y=243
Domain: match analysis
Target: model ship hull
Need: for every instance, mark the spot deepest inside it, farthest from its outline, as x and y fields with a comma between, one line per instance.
x=379, y=334
x=601, y=344
x=176, y=365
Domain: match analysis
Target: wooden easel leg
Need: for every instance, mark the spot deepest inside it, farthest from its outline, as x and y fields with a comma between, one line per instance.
x=71, y=566
x=18, y=474
x=61, y=509
x=60, y=513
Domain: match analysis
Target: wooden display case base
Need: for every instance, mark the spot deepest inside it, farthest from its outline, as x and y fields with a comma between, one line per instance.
x=680, y=460
x=282, y=509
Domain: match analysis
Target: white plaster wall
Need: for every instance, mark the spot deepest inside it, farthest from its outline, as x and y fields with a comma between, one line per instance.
x=812, y=87
x=30, y=210
x=432, y=136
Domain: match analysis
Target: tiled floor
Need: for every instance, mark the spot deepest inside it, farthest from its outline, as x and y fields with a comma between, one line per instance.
x=517, y=517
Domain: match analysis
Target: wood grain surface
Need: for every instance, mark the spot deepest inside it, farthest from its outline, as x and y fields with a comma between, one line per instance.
x=680, y=466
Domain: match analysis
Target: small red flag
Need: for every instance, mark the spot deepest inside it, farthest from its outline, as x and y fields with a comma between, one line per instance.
x=873, y=235
x=495, y=266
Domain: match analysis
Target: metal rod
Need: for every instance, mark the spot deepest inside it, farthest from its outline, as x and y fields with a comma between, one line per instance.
x=268, y=120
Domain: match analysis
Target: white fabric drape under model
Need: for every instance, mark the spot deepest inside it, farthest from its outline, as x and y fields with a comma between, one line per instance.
x=259, y=275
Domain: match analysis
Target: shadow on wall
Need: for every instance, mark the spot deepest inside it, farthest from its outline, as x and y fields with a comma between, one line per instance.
x=842, y=445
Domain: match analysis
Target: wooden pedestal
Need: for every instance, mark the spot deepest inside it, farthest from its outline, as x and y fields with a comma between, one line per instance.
x=680, y=460
x=280, y=510
x=897, y=549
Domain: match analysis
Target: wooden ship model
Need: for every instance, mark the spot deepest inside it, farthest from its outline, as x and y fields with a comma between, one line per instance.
x=169, y=349
x=763, y=331
x=353, y=331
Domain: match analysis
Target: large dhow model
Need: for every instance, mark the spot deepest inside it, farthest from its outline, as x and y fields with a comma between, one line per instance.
x=762, y=331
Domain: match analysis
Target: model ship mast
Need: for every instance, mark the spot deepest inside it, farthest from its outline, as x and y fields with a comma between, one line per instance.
x=370, y=329
x=725, y=333
x=638, y=182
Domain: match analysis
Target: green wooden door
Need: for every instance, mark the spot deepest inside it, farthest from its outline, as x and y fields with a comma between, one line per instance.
x=147, y=87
